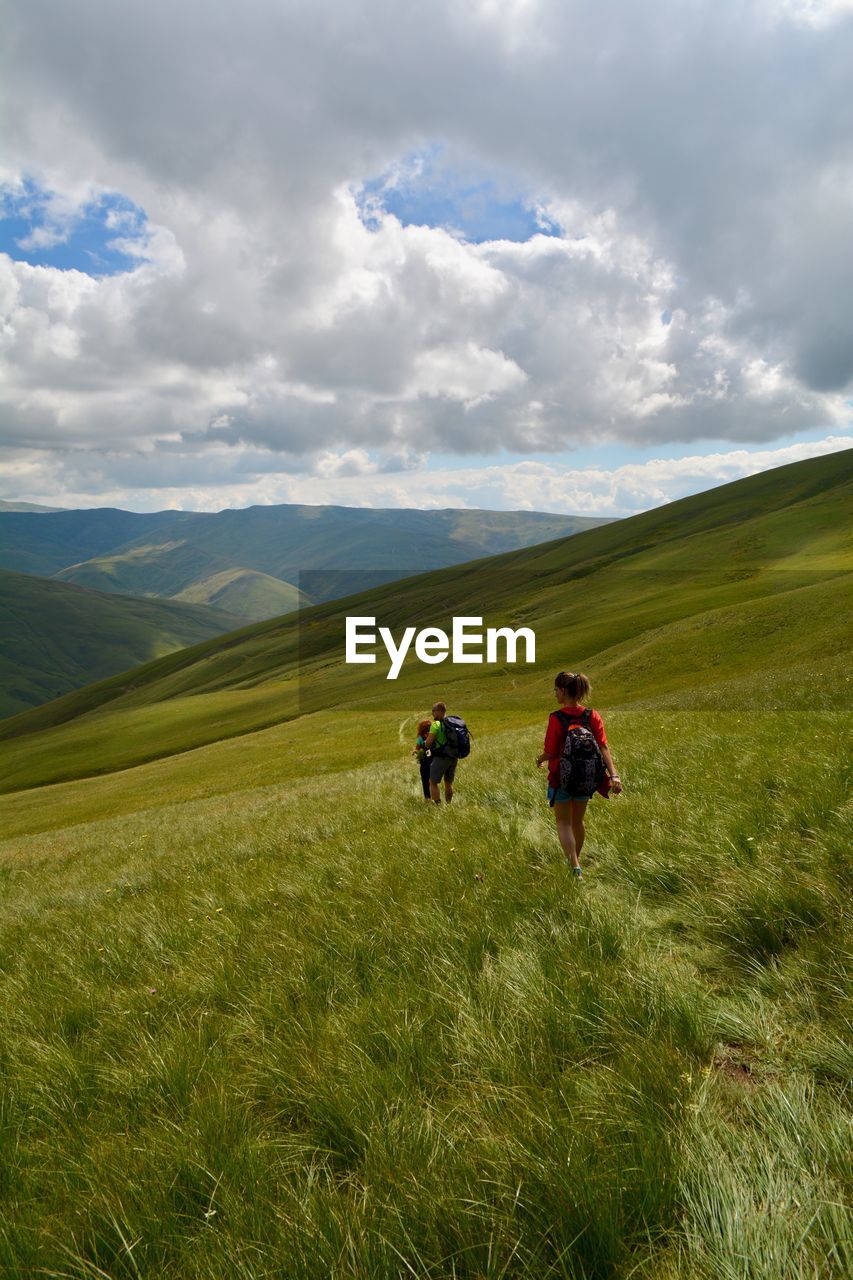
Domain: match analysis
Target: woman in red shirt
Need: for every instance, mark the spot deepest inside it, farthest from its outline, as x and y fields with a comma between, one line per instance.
x=570, y=690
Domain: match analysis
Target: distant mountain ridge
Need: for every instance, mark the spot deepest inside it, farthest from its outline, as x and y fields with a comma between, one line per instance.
x=6, y=505
x=121, y=587
x=205, y=556
x=739, y=597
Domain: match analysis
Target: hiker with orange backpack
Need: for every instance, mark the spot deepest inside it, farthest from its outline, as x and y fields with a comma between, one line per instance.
x=579, y=762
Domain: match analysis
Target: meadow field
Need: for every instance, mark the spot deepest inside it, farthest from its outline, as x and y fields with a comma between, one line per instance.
x=264, y=1013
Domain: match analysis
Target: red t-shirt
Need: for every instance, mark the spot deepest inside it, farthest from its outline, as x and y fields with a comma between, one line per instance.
x=555, y=738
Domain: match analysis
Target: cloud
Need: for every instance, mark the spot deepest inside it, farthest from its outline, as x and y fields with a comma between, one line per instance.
x=172, y=476
x=815, y=13
x=693, y=162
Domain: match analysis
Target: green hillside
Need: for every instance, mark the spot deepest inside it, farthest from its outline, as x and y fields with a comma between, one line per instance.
x=43, y=543
x=244, y=593
x=56, y=637
x=151, y=569
x=180, y=571
x=676, y=606
x=265, y=1013
x=168, y=553
x=283, y=540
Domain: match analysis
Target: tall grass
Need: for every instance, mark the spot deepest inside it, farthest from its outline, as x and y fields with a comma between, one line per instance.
x=327, y=1030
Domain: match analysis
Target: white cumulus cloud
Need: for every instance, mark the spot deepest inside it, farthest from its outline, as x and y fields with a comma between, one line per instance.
x=695, y=162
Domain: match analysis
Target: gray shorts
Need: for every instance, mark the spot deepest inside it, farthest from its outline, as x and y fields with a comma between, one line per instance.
x=442, y=767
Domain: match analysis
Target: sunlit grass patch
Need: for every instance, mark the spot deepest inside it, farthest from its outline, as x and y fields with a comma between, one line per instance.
x=322, y=1028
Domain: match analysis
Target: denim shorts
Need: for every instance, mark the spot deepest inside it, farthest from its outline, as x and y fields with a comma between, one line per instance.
x=556, y=795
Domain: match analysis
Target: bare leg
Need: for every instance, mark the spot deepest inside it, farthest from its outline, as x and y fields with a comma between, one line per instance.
x=448, y=792
x=578, y=808
x=565, y=831
x=435, y=794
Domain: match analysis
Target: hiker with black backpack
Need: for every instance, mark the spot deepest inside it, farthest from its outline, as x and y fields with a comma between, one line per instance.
x=579, y=762
x=449, y=741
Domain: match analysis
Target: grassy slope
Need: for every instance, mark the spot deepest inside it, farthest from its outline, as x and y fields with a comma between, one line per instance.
x=682, y=604
x=266, y=1014
x=164, y=553
x=283, y=540
x=181, y=571
x=161, y=568
x=319, y=1029
x=44, y=542
x=57, y=637
x=245, y=593
x=278, y=540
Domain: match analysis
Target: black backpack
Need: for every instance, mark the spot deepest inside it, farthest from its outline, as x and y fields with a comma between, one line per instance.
x=458, y=742
x=581, y=764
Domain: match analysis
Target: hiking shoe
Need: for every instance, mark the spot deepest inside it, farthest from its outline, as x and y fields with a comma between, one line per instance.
x=577, y=872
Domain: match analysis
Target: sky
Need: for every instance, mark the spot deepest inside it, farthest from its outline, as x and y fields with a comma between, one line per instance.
x=539, y=254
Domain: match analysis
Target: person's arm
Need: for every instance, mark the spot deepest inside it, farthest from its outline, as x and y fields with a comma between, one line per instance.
x=615, y=780
x=597, y=727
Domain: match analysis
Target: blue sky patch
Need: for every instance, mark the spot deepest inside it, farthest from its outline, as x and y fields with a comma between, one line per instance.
x=38, y=228
x=425, y=191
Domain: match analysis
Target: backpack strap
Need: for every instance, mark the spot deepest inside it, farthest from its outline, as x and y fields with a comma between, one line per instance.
x=567, y=719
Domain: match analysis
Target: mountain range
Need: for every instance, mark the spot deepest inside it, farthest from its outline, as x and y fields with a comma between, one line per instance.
x=107, y=589
x=732, y=598
x=249, y=562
